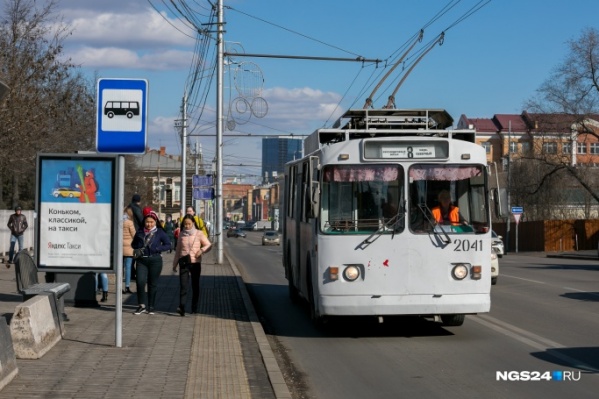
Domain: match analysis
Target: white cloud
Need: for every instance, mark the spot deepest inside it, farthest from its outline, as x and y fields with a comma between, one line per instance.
x=113, y=57
x=143, y=30
x=300, y=110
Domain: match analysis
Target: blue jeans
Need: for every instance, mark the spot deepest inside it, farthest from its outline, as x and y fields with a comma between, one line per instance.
x=104, y=280
x=127, y=262
x=148, y=271
x=13, y=241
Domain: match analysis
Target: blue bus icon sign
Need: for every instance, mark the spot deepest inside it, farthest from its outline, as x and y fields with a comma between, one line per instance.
x=121, y=120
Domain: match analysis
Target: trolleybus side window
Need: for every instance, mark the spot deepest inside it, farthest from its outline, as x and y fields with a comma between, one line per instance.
x=450, y=195
x=290, y=187
x=362, y=199
x=305, y=193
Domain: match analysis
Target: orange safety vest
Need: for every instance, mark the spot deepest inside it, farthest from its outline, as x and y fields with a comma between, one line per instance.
x=453, y=216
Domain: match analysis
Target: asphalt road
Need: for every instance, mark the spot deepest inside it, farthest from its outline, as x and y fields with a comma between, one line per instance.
x=543, y=320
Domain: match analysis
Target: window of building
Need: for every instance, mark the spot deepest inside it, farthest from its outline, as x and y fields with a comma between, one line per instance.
x=487, y=146
x=550, y=148
x=594, y=148
x=525, y=147
x=513, y=147
x=581, y=148
x=566, y=148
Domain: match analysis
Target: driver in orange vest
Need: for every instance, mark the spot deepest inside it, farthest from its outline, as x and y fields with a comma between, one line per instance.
x=445, y=212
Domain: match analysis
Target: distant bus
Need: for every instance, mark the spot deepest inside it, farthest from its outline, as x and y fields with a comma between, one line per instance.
x=127, y=108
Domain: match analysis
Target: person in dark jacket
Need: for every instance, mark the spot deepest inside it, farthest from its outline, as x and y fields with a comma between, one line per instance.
x=169, y=227
x=138, y=218
x=17, y=224
x=148, y=244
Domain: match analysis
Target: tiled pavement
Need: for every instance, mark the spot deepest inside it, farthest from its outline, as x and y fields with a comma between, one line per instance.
x=221, y=352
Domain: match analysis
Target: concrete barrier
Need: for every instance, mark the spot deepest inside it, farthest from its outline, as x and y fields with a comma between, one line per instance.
x=8, y=361
x=36, y=327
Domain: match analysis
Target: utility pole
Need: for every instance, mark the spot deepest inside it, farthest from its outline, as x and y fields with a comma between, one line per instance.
x=183, y=153
x=509, y=182
x=218, y=222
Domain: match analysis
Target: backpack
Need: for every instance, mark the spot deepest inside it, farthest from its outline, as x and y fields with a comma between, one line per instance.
x=202, y=225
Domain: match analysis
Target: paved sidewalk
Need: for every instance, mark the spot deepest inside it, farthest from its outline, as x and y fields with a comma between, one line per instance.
x=222, y=352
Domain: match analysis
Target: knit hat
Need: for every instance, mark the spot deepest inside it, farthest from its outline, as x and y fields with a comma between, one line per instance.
x=152, y=215
x=136, y=198
x=146, y=210
x=17, y=208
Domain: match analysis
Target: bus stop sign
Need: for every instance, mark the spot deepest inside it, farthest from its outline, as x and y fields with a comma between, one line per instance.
x=121, y=120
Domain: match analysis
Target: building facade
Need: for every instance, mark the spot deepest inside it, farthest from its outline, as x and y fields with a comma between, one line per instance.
x=276, y=152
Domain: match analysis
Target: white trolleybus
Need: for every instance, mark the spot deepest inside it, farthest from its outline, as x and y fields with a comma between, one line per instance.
x=388, y=214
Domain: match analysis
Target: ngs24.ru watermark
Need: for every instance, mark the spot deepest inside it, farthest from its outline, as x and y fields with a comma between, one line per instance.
x=537, y=375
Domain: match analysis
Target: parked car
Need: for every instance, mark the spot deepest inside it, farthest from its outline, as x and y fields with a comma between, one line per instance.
x=271, y=238
x=494, y=266
x=497, y=243
x=236, y=233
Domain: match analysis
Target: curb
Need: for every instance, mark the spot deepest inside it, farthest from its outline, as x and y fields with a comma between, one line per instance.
x=273, y=370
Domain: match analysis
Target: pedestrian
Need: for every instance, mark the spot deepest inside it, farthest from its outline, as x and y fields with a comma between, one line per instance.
x=188, y=257
x=137, y=213
x=128, y=234
x=169, y=227
x=199, y=222
x=148, y=243
x=103, y=285
x=17, y=224
x=137, y=223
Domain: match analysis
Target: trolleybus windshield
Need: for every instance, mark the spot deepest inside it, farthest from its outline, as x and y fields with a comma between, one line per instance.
x=447, y=198
x=362, y=199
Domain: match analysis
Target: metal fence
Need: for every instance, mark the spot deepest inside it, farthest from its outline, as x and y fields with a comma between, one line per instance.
x=5, y=232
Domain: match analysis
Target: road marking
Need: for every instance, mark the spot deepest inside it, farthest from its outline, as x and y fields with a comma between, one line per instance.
x=531, y=339
x=525, y=279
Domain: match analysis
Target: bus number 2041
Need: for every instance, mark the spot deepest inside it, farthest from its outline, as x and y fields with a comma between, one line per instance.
x=467, y=245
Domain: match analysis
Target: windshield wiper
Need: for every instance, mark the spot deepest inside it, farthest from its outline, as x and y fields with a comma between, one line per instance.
x=399, y=216
x=433, y=223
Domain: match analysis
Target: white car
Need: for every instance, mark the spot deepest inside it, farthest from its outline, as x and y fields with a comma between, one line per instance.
x=494, y=266
x=497, y=243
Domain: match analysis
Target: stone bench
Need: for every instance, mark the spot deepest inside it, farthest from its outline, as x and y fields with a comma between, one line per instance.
x=28, y=285
x=36, y=326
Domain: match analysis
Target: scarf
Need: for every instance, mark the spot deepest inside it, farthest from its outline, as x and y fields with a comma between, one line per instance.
x=153, y=230
x=190, y=232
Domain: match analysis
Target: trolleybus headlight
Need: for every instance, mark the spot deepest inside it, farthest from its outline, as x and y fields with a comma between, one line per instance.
x=351, y=273
x=459, y=272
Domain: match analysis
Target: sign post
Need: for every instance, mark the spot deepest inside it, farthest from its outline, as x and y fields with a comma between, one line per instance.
x=121, y=128
x=517, y=212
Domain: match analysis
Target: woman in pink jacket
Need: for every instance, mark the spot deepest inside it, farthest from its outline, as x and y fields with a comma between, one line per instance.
x=194, y=243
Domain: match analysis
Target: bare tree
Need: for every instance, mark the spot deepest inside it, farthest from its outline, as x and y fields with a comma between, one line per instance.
x=566, y=109
x=49, y=104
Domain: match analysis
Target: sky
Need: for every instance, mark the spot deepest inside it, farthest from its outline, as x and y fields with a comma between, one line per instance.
x=490, y=62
